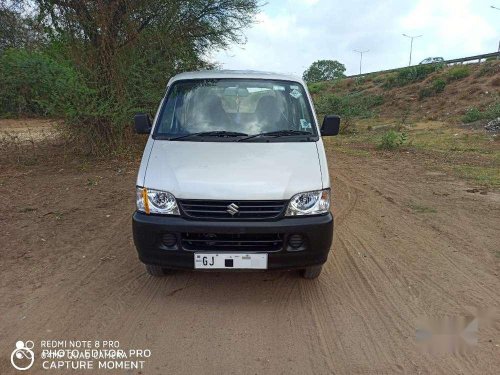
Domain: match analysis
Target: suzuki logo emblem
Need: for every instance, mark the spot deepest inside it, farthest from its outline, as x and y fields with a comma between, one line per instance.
x=233, y=209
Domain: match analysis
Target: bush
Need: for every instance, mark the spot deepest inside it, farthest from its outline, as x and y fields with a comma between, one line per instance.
x=350, y=105
x=457, y=72
x=359, y=81
x=474, y=114
x=436, y=87
x=35, y=84
x=471, y=115
x=316, y=87
x=392, y=140
x=378, y=79
x=411, y=74
x=489, y=68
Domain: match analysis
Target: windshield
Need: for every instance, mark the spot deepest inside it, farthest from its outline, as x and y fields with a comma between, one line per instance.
x=235, y=108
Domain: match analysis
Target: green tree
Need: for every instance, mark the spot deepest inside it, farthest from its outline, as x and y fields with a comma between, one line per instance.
x=18, y=27
x=324, y=70
x=128, y=49
x=101, y=30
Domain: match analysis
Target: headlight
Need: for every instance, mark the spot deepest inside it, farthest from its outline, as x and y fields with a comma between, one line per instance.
x=309, y=203
x=156, y=202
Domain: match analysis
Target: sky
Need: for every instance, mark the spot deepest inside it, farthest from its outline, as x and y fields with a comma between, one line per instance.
x=289, y=35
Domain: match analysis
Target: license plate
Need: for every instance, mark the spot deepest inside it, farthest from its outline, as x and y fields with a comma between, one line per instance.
x=230, y=261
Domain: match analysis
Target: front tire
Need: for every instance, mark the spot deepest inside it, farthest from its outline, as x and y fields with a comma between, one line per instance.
x=312, y=272
x=155, y=270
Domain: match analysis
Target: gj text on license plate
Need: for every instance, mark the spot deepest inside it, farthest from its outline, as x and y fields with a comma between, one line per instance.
x=230, y=261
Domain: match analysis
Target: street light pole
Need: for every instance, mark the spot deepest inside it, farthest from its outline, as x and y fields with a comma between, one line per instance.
x=498, y=56
x=361, y=58
x=411, y=44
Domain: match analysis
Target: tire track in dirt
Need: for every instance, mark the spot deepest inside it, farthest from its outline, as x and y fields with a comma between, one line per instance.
x=349, y=239
x=388, y=266
x=427, y=242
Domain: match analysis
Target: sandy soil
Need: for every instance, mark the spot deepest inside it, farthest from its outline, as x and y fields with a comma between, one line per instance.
x=409, y=242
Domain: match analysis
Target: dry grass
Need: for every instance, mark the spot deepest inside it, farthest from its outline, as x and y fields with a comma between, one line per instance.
x=469, y=154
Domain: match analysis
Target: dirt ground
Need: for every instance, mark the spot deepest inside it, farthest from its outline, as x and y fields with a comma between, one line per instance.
x=27, y=129
x=409, y=242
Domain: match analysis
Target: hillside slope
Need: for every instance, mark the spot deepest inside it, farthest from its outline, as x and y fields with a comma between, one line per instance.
x=421, y=93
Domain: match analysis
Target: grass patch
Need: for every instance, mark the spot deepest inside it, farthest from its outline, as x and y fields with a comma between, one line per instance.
x=27, y=209
x=457, y=72
x=452, y=140
x=467, y=154
x=353, y=151
x=485, y=176
x=93, y=181
x=475, y=114
x=421, y=209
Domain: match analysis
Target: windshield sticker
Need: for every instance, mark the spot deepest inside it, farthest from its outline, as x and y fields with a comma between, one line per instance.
x=304, y=124
x=295, y=93
x=278, y=88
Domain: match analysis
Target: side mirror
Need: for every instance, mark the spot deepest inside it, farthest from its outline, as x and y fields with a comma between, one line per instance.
x=331, y=125
x=142, y=123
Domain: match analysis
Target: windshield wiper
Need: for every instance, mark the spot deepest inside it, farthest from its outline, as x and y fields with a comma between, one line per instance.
x=216, y=133
x=277, y=134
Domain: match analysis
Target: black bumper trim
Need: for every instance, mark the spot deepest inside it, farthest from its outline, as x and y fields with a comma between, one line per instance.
x=147, y=230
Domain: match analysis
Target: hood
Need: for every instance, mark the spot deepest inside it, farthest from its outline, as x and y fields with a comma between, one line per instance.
x=233, y=170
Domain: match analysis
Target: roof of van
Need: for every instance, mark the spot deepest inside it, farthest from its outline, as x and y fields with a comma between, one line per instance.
x=250, y=74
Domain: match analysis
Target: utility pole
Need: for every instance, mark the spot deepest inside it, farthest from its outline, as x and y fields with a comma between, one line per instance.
x=411, y=44
x=361, y=58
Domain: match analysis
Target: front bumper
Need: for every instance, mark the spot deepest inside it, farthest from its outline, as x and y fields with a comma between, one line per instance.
x=149, y=229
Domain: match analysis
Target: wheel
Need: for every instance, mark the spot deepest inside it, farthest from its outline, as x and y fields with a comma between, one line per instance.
x=312, y=272
x=154, y=270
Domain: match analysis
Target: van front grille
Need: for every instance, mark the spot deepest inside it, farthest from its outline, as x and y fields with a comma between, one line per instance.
x=232, y=210
x=232, y=242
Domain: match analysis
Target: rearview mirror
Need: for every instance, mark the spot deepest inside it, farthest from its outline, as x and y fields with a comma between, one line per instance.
x=331, y=125
x=142, y=123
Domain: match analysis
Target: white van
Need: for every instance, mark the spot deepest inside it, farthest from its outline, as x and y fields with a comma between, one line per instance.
x=234, y=176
